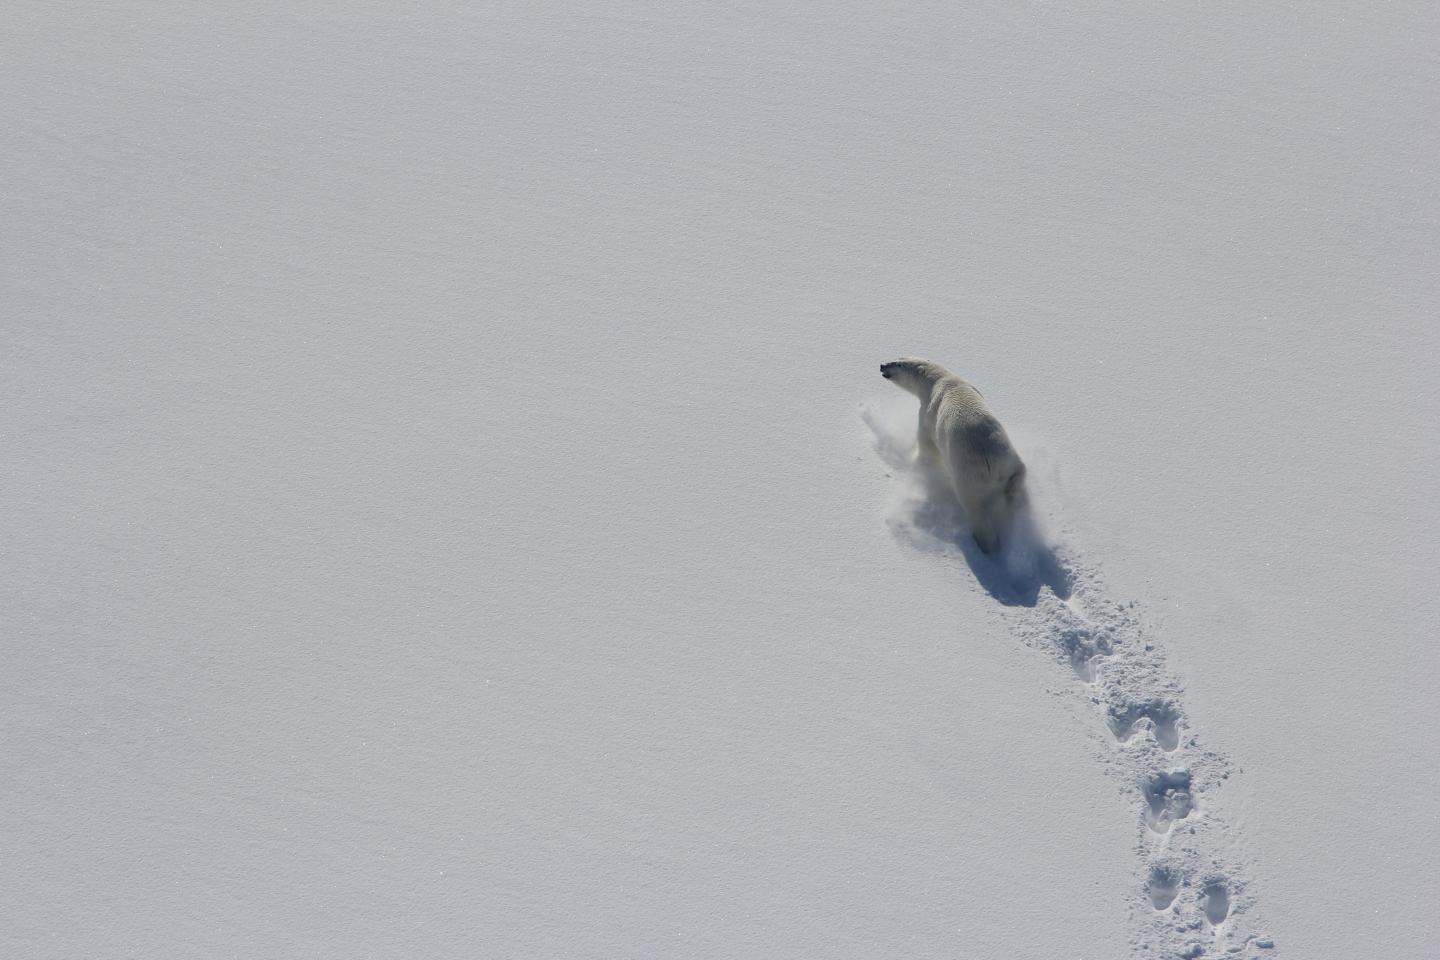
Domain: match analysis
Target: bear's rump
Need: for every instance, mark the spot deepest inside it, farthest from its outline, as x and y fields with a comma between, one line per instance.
x=978, y=452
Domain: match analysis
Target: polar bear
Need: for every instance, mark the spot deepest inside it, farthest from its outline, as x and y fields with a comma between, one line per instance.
x=958, y=430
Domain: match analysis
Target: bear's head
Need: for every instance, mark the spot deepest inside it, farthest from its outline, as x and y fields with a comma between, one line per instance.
x=911, y=373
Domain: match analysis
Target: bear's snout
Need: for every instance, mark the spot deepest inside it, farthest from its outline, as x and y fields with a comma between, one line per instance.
x=885, y=371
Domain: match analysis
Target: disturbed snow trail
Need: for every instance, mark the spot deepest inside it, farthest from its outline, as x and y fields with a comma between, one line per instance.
x=1192, y=896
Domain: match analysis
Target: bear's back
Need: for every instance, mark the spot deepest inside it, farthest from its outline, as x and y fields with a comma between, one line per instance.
x=960, y=400
x=966, y=430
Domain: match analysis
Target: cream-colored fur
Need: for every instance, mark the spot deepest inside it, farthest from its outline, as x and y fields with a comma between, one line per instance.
x=958, y=430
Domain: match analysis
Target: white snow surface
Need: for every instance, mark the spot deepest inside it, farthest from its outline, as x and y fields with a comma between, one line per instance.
x=451, y=508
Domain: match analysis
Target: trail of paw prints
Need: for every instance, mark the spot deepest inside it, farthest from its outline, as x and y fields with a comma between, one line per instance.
x=1193, y=901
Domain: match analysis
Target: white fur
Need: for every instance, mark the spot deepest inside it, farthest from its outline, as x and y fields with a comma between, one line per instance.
x=958, y=430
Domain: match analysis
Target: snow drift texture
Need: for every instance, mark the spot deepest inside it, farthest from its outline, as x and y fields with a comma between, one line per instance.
x=441, y=518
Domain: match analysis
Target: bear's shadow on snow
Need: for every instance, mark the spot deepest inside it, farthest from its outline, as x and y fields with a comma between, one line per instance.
x=931, y=519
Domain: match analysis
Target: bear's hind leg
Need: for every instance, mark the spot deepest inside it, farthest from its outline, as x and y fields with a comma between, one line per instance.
x=1016, y=497
x=980, y=514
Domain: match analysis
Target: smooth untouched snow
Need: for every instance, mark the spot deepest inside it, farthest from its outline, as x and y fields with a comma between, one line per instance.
x=452, y=509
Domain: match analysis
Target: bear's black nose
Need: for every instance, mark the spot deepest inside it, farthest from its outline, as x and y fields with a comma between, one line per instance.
x=885, y=373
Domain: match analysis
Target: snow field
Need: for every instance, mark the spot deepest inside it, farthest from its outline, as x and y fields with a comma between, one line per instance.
x=437, y=523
